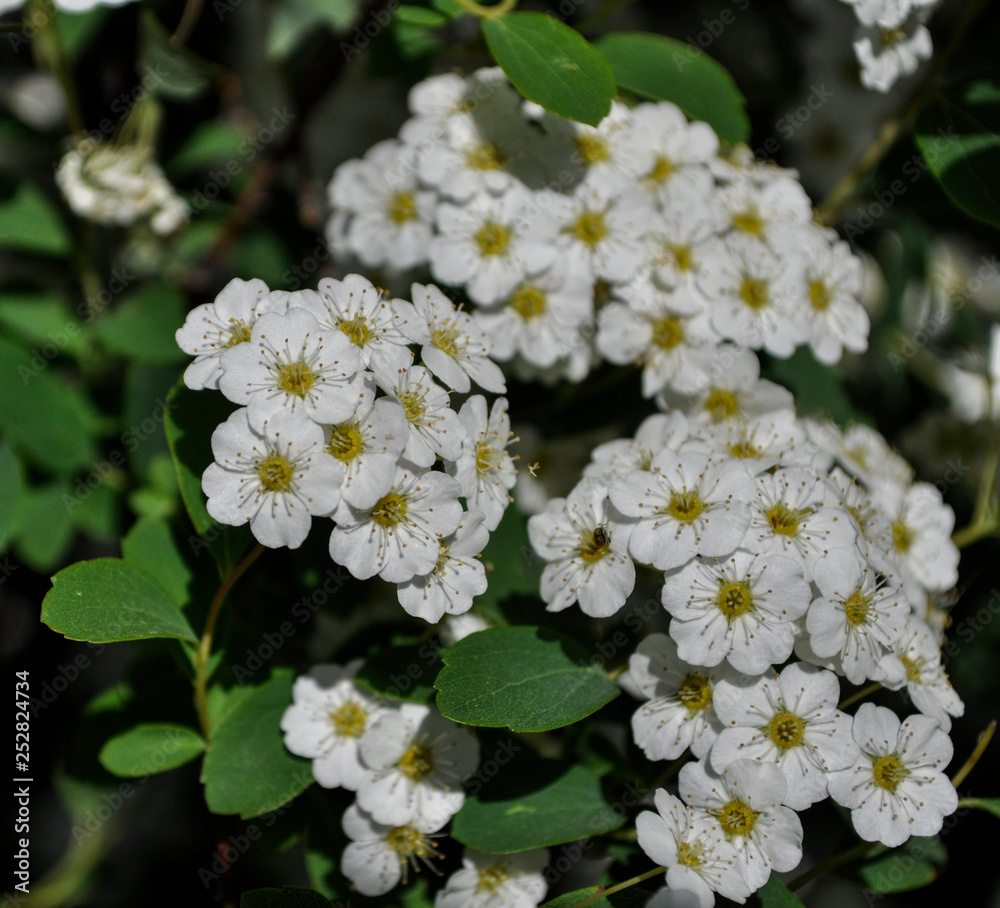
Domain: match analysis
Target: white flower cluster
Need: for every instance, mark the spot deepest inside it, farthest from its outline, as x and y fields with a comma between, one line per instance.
x=407, y=764
x=117, y=186
x=892, y=39
x=337, y=421
x=777, y=536
x=536, y=217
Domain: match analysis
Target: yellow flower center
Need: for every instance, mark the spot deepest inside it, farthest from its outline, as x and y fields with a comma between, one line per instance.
x=690, y=855
x=414, y=406
x=695, y=693
x=275, y=473
x=493, y=239
x=737, y=818
x=529, y=302
x=722, y=404
x=445, y=338
x=590, y=227
x=485, y=156
x=402, y=207
x=349, y=721
x=888, y=772
x=786, y=730
x=357, y=329
x=912, y=666
x=682, y=257
x=594, y=546
x=667, y=333
x=390, y=510
x=784, y=520
x=734, y=599
x=408, y=842
x=296, y=378
x=748, y=222
x=345, y=442
x=492, y=878
x=744, y=449
x=819, y=295
x=902, y=536
x=891, y=36
x=754, y=292
x=593, y=149
x=857, y=608
x=663, y=167
x=685, y=506
x=487, y=457
x=417, y=762
x=239, y=332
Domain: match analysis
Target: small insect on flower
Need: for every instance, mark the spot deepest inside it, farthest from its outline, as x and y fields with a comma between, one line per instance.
x=601, y=536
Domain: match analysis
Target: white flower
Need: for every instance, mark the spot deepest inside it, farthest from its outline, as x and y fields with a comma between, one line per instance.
x=292, y=363
x=684, y=504
x=678, y=713
x=864, y=452
x=899, y=54
x=369, y=444
x=739, y=608
x=921, y=537
x=485, y=470
x=276, y=479
x=790, y=719
x=418, y=761
x=214, y=327
x=746, y=801
x=398, y=537
x=898, y=787
x=455, y=347
x=496, y=881
x=763, y=213
x=691, y=845
x=379, y=855
x=489, y=244
x=760, y=443
x=586, y=552
x=326, y=721
x=457, y=578
x=678, y=147
x=616, y=459
x=926, y=680
x=369, y=322
x=859, y=616
x=435, y=428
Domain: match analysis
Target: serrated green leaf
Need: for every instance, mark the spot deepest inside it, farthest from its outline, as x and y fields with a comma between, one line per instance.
x=286, y=897
x=181, y=75
x=543, y=807
x=627, y=898
x=150, y=544
x=664, y=69
x=775, y=894
x=42, y=319
x=29, y=222
x=525, y=678
x=61, y=440
x=107, y=600
x=142, y=328
x=552, y=65
x=247, y=769
x=151, y=748
x=958, y=137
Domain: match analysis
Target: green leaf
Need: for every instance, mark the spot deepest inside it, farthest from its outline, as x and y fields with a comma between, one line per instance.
x=287, y=897
x=209, y=144
x=262, y=254
x=552, y=65
x=43, y=526
x=775, y=894
x=915, y=865
x=524, y=678
x=448, y=8
x=45, y=418
x=107, y=600
x=959, y=138
x=98, y=514
x=546, y=806
x=664, y=69
x=420, y=16
x=142, y=328
x=627, y=898
x=818, y=388
x=402, y=672
x=181, y=74
x=42, y=319
x=11, y=490
x=512, y=566
x=150, y=544
x=149, y=749
x=990, y=805
x=247, y=769
x=77, y=30
x=29, y=223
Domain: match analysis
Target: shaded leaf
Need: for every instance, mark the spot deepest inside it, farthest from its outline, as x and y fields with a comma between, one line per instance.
x=150, y=748
x=29, y=222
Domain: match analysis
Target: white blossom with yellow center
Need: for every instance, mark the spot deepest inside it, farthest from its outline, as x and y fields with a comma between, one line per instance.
x=496, y=881
x=326, y=720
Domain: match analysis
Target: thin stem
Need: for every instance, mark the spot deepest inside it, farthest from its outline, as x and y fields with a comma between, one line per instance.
x=838, y=860
x=189, y=19
x=618, y=887
x=49, y=52
x=205, y=644
x=985, y=737
x=487, y=12
x=860, y=695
